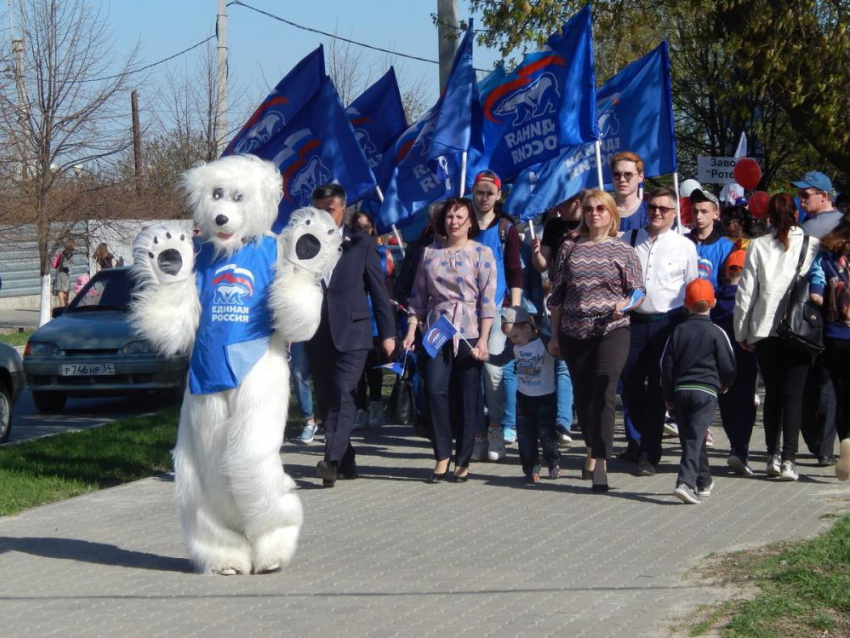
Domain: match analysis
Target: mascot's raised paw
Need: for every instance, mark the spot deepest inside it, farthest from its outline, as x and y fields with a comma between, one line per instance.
x=164, y=253
x=311, y=241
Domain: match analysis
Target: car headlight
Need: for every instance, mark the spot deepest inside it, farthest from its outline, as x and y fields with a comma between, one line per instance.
x=41, y=349
x=137, y=347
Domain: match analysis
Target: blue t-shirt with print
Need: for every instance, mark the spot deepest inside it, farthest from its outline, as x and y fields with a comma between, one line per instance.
x=235, y=323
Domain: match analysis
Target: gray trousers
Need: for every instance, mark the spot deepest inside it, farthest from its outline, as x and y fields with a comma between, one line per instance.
x=695, y=412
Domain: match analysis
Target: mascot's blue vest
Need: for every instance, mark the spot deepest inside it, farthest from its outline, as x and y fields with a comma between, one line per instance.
x=235, y=325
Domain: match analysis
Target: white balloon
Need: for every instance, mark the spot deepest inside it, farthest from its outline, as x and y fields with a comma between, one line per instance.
x=688, y=186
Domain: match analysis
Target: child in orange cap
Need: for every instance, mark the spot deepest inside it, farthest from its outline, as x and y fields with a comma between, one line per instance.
x=697, y=365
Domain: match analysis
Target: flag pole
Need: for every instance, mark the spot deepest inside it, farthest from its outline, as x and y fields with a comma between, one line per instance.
x=393, y=226
x=598, y=146
x=678, y=207
x=462, y=174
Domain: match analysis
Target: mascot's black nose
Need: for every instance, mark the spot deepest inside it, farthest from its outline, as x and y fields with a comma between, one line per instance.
x=307, y=247
x=170, y=261
x=221, y=220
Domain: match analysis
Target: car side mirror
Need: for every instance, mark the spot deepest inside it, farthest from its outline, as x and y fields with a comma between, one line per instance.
x=57, y=311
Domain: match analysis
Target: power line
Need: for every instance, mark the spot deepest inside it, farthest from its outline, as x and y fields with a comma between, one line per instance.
x=334, y=36
x=151, y=65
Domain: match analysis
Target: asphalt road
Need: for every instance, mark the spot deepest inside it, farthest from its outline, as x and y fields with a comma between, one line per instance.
x=79, y=414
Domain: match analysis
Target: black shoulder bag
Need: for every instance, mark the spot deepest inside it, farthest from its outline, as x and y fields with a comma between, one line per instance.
x=801, y=326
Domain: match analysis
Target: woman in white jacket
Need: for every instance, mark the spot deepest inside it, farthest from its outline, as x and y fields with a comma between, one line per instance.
x=759, y=304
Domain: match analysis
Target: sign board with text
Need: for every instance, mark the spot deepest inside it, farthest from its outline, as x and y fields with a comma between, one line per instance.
x=716, y=170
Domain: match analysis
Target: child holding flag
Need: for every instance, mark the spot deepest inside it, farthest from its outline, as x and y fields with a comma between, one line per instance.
x=454, y=295
x=536, y=397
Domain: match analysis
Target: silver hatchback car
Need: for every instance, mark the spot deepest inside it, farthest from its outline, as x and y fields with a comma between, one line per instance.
x=90, y=350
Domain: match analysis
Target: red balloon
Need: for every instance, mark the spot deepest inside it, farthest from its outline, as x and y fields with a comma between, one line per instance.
x=685, y=210
x=758, y=204
x=747, y=173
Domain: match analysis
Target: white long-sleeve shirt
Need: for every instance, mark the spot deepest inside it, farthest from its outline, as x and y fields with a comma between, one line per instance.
x=669, y=263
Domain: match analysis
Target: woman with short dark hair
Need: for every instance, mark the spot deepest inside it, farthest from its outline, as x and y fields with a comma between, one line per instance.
x=769, y=269
x=456, y=279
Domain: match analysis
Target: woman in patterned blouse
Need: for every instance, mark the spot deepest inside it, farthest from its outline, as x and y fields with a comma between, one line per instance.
x=599, y=279
x=456, y=279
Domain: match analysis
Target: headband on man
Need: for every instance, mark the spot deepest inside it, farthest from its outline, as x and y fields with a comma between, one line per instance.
x=488, y=176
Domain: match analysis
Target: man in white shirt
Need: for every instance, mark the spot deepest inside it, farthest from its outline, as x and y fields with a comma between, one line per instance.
x=669, y=263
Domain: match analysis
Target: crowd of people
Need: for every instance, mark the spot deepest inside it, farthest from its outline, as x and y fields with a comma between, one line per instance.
x=611, y=295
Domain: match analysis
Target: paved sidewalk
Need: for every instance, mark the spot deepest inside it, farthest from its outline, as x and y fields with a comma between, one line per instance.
x=388, y=555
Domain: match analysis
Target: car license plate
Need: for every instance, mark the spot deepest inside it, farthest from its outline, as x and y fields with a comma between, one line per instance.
x=87, y=369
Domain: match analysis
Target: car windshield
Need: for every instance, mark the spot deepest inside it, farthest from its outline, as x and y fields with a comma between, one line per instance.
x=108, y=290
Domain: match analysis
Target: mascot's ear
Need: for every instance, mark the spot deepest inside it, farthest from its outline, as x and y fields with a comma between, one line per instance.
x=270, y=183
x=191, y=184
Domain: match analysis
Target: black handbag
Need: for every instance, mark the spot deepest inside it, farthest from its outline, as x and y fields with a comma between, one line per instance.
x=401, y=407
x=801, y=326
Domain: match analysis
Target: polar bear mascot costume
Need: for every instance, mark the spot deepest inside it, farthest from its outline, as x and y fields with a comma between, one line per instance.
x=235, y=299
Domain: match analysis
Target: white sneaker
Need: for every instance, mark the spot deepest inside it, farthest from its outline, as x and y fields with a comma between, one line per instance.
x=495, y=445
x=686, y=494
x=376, y=414
x=773, y=465
x=709, y=439
x=563, y=433
x=361, y=420
x=842, y=468
x=705, y=491
x=789, y=471
x=479, y=449
x=671, y=429
x=739, y=465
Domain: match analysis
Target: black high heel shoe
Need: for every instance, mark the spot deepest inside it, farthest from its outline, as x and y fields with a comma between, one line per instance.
x=440, y=478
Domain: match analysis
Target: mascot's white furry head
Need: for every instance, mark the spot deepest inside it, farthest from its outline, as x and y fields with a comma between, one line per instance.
x=233, y=199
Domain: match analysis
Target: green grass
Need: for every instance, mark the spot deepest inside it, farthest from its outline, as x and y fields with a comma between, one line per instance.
x=16, y=338
x=803, y=589
x=54, y=468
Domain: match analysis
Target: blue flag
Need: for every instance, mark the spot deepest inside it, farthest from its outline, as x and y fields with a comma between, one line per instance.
x=547, y=103
x=378, y=117
x=425, y=163
x=635, y=110
x=316, y=147
x=438, y=335
x=281, y=105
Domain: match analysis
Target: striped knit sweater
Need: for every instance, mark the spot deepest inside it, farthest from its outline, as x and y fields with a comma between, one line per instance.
x=590, y=280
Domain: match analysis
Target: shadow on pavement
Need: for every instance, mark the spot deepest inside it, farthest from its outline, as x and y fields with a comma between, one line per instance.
x=98, y=553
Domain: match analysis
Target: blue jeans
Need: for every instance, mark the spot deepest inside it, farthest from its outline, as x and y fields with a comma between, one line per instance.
x=509, y=384
x=300, y=370
x=536, y=422
x=564, y=390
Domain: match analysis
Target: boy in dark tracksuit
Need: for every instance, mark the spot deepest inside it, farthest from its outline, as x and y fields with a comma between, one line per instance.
x=698, y=362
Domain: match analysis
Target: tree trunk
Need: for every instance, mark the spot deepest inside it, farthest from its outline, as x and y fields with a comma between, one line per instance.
x=44, y=314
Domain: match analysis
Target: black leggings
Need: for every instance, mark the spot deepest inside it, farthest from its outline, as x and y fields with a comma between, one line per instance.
x=784, y=371
x=595, y=365
x=372, y=379
x=838, y=363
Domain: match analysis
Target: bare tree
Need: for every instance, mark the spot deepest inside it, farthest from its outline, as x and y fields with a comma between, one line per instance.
x=59, y=117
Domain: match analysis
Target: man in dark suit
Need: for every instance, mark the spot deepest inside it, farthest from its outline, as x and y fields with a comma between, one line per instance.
x=337, y=352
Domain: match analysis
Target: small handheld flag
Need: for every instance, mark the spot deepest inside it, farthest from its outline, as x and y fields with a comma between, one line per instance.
x=438, y=335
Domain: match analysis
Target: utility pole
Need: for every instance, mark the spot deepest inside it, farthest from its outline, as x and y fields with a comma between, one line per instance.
x=137, y=139
x=448, y=34
x=221, y=77
x=23, y=98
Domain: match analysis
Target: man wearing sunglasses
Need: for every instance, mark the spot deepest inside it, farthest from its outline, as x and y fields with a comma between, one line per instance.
x=815, y=193
x=669, y=263
x=627, y=175
x=819, y=403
